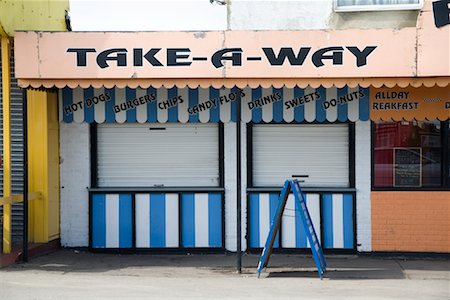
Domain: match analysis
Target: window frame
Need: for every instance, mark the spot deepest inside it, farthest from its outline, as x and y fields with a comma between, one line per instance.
x=381, y=7
x=94, y=165
x=351, y=156
x=445, y=159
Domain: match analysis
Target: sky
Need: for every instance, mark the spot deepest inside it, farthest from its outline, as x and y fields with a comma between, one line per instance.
x=146, y=15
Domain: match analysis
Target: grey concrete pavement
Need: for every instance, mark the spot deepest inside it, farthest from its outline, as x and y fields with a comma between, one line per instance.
x=69, y=274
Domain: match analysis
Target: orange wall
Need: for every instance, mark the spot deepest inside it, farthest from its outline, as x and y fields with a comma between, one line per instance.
x=411, y=221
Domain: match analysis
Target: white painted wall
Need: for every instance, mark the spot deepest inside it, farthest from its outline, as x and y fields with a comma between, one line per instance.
x=74, y=181
x=309, y=15
x=363, y=185
x=149, y=15
x=230, y=186
x=279, y=15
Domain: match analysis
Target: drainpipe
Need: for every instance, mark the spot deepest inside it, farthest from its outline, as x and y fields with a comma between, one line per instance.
x=238, y=189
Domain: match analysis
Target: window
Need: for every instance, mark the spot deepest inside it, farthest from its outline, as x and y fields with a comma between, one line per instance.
x=320, y=151
x=447, y=140
x=376, y=5
x=158, y=155
x=408, y=155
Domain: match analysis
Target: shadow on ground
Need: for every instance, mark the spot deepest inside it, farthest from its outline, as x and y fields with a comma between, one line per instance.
x=280, y=266
x=341, y=274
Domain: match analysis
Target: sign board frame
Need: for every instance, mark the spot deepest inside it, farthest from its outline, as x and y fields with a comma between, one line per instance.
x=394, y=151
x=294, y=187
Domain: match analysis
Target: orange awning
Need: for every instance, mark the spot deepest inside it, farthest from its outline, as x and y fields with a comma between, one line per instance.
x=410, y=103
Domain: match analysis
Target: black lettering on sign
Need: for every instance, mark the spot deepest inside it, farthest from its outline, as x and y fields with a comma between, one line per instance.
x=133, y=103
x=336, y=56
x=361, y=56
x=343, y=99
x=441, y=11
x=302, y=100
x=213, y=103
x=173, y=56
x=294, y=60
x=275, y=97
x=120, y=58
x=149, y=56
x=395, y=105
x=235, y=57
x=170, y=102
x=97, y=99
x=71, y=108
x=81, y=55
x=176, y=57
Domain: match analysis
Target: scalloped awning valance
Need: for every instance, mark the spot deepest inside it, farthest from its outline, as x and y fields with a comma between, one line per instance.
x=260, y=104
x=236, y=82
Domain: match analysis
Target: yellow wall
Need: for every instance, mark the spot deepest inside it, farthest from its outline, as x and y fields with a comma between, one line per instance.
x=6, y=91
x=33, y=15
x=43, y=143
x=43, y=155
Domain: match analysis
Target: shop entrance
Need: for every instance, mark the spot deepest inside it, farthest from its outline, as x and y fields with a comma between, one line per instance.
x=323, y=155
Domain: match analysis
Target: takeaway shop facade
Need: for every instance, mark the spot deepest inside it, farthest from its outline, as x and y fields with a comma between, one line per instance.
x=167, y=138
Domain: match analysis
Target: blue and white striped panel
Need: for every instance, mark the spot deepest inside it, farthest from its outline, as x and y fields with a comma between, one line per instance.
x=201, y=220
x=293, y=233
x=111, y=221
x=338, y=221
x=78, y=105
x=262, y=209
x=311, y=111
x=157, y=220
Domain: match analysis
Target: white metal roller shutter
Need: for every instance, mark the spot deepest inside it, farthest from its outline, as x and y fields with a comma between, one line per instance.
x=320, y=151
x=154, y=155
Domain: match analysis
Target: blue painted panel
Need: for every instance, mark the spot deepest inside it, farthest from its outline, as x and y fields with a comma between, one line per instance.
x=67, y=100
x=254, y=220
x=320, y=110
x=193, y=100
x=109, y=106
x=234, y=104
x=125, y=221
x=214, y=113
x=300, y=234
x=130, y=95
x=273, y=198
x=348, y=221
x=364, y=105
x=215, y=220
x=157, y=220
x=278, y=106
x=188, y=220
x=173, y=111
x=88, y=111
x=152, y=107
x=257, y=112
x=299, y=111
x=342, y=108
x=98, y=221
x=327, y=221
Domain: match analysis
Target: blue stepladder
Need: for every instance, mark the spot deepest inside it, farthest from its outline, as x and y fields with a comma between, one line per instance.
x=294, y=187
